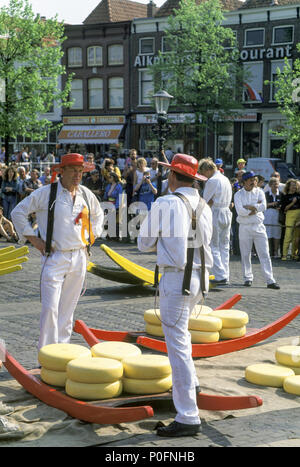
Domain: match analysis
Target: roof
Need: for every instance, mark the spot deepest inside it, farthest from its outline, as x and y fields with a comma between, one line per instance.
x=113, y=11
x=267, y=3
x=167, y=8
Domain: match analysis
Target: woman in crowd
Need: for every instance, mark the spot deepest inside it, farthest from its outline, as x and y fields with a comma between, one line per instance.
x=271, y=220
x=290, y=206
x=9, y=189
x=146, y=190
x=113, y=192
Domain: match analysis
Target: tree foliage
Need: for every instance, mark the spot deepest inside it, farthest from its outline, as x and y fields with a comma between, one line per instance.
x=30, y=69
x=287, y=96
x=201, y=68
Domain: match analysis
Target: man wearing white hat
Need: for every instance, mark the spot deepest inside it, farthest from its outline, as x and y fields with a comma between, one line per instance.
x=166, y=230
x=63, y=251
x=250, y=204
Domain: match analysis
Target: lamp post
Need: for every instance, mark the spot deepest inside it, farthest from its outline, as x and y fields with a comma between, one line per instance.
x=161, y=129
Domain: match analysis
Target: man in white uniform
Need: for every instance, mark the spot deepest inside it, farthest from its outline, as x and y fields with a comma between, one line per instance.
x=250, y=203
x=64, y=269
x=166, y=231
x=218, y=195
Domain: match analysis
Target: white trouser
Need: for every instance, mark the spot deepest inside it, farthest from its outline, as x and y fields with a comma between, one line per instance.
x=220, y=242
x=175, y=310
x=255, y=233
x=62, y=279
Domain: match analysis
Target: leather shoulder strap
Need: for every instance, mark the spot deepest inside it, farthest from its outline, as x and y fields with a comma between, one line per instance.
x=50, y=222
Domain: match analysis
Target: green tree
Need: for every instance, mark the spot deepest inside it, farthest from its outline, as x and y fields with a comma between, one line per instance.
x=287, y=95
x=201, y=68
x=30, y=70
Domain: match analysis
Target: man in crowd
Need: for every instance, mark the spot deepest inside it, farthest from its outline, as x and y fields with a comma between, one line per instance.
x=64, y=267
x=218, y=195
x=250, y=204
x=158, y=233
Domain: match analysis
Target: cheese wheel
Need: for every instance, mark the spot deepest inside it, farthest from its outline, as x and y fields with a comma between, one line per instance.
x=201, y=309
x=94, y=392
x=57, y=356
x=205, y=323
x=146, y=367
x=204, y=337
x=266, y=374
x=152, y=316
x=154, y=330
x=55, y=378
x=288, y=355
x=147, y=386
x=295, y=369
x=115, y=350
x=231, y=318
x=94, y=370
x=232, y=333
x=291, y=385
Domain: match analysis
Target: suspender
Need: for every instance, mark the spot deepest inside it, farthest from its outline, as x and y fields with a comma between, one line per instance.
x=50, y=222
x=190, y=251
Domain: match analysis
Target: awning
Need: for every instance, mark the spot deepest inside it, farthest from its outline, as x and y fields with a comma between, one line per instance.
x=104, y=134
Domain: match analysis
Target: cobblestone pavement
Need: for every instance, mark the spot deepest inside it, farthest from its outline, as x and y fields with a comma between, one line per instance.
x=115, y=306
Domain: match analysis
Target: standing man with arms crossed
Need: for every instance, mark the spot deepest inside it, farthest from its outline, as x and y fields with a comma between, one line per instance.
x=250, y=203
x=166, y=230
x=218, y=195
x=64, y=267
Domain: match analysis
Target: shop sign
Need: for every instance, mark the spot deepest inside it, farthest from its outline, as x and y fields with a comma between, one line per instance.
x=172, y=118
x=94, y=120
x=89, y=134
x=271, y=52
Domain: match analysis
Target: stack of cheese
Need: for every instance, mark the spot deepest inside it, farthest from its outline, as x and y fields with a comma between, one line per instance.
x=147, y=374
x=203, y=328
x=233, y=323
x=54, y=359
x=286, y=373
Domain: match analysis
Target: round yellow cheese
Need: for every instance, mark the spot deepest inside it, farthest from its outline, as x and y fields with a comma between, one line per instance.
x=204, y=337
x=266, y=374
x=291, y=385
x=93, y=392
x=232, y=333
x=152, y=316
x=231, y=318
x=94, y=370
x=296, y=369
x=55, y=378
x=288, y=355
x=201, y=309
x=57, y=356
x=205, y=323
x=148, y=386
x=115, y=350
x=154, y=330
x=146, y=366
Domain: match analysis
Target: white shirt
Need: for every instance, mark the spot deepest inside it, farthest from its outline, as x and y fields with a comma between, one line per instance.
x=218, y=189
x=166, y=229
x=66, y=234
x=255, y=197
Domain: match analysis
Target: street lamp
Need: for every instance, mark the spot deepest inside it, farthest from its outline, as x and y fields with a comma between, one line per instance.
x=161, y=129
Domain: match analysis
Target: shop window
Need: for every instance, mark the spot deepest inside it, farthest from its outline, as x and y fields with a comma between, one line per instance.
x=283, y=34
x=253, y=82
x=225, y=143
x=115, y=54
x=94, y=56
x=251, y=138
x=116, y=93
x=146, y=87
x=76, y=94
x=95, y=89
x=254, y=37
x=146, y=46
x=75, y=57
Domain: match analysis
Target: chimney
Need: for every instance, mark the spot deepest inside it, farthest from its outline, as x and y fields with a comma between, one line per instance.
x=151, y=9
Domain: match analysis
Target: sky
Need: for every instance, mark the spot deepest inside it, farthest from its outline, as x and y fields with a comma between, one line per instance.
x=71, y=11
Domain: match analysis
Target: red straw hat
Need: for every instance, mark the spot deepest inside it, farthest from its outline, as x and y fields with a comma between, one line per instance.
x=185, y=165
x=73, y=159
